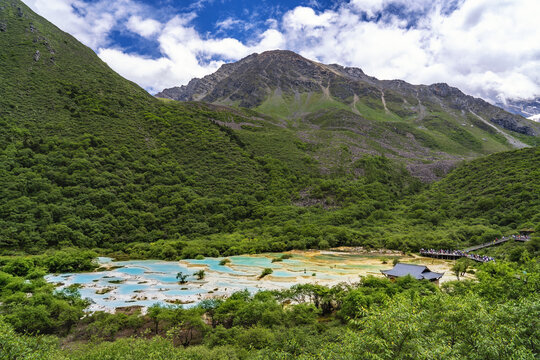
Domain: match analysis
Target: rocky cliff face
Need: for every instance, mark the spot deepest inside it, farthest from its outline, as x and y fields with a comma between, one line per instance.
x=252, y=80
x=460, y=101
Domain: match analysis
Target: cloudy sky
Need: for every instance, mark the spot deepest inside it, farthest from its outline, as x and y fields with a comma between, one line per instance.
x=487, y=48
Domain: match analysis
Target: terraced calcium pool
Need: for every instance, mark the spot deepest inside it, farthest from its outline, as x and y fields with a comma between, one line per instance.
x=146, y=282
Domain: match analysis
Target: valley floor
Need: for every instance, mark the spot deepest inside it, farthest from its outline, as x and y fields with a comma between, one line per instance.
x=142, y=283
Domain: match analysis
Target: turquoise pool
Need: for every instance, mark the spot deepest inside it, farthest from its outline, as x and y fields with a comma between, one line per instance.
x=146, y=282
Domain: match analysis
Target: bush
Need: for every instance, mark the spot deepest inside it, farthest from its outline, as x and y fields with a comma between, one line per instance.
x=265, y=272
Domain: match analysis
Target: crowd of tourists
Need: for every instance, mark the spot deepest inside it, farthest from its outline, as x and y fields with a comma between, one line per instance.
x=519, y=237
x=481, y=258
x=456, y=253
x=513, y=237
x=443, y=252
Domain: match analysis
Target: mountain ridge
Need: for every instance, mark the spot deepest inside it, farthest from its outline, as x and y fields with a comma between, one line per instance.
x=233, y=84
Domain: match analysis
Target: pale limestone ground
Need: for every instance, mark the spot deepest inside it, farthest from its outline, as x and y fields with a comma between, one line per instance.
x=340, y=265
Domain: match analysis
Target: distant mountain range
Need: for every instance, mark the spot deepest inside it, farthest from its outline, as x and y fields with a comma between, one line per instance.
x=275, y=79
x=529, y=108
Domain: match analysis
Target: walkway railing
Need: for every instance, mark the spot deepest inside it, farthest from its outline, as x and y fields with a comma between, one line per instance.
x=456, y=254
x=497, y=242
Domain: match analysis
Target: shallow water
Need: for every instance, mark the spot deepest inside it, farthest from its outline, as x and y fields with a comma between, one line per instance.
x=146, y=282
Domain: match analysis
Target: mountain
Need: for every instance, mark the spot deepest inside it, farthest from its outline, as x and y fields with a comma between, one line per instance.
x=91, y=165
x=89, y=159
x=56, y=92
x=284, y=84
x=341, y=114
x=529, y=108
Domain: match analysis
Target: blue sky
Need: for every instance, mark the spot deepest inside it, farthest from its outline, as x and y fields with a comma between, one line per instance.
x=487, y=48
x=224, y=18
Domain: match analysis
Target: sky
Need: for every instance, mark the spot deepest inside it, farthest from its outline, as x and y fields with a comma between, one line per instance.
x=487, y=48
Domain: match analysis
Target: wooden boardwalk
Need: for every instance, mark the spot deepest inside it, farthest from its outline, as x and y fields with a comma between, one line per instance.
x=456, y=254
x=496, y=242
x=440, y=255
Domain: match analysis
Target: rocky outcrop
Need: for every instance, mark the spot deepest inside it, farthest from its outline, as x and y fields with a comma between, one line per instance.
x=508, y=121
x=460, y=101
x=197, y=88
x=37, y=55
x=251, y=80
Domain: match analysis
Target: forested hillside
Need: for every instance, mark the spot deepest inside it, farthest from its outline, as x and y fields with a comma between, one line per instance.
x=91, y=160
x=502, y=188
x=477, y=202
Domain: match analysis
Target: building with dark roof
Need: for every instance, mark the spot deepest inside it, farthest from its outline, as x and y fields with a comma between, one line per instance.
x=419, y=272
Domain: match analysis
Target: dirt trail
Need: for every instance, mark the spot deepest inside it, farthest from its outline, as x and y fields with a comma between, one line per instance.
x=512, y=140
x=421, y=107
x=326, y=91
x=384, y=103
x=353, y=106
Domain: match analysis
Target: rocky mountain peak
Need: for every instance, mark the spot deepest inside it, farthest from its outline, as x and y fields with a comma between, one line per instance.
x=284, y=74
x=250, y=80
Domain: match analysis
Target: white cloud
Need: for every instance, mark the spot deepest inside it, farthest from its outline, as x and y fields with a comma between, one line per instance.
x=387, y=51
x=369, y=6
x=137, y=68
x=228, y=23
x=157, y=74
x=90, y=23
x=487, y=48
x=302, y=18
x=490, y=47
x=143, y=27
x=185, y=55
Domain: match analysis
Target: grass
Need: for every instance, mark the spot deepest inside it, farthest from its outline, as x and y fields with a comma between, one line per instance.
x=289, y=106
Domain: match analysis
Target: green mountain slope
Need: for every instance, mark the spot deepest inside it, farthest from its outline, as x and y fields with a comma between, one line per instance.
x=502, y=188
x=477, y=202
x=86, y=154
x=67, y=92
x=53, y=84
x=90, y=159
x=320, y=102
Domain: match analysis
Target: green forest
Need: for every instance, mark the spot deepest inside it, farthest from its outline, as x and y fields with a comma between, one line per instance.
x=492, y=317
x=61, y=194
x=92, y=165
